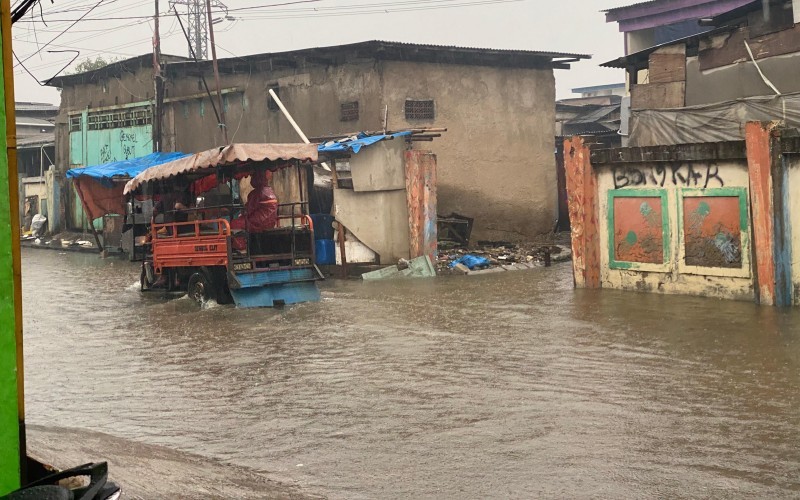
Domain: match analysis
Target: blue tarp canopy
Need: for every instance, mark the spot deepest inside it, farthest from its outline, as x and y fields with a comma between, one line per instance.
x=122, y=170
x=355, y=145
x=99, y=193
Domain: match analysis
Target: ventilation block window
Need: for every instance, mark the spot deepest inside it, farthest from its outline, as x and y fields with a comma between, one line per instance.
x=419, y=110
x=349, y=111
x=271, y=104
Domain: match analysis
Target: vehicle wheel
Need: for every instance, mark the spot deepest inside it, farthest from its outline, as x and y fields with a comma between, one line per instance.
x=145, y=282
x=199, y=288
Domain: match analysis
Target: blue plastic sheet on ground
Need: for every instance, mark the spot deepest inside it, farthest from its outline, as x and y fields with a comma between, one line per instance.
x=125, y=169
x=471, y=261
x=363, y=140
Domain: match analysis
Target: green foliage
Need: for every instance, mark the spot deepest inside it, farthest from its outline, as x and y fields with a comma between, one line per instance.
x=90, y=64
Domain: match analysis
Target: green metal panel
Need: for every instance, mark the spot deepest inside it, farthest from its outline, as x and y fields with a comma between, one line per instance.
x=9, y=410
x=95, y=147
x=76, y=148
x=117, y=144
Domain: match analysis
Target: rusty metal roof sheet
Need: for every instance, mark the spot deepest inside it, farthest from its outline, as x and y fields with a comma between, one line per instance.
x=220, y=157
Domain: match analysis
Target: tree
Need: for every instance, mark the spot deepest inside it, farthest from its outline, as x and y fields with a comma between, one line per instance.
x=90, y=64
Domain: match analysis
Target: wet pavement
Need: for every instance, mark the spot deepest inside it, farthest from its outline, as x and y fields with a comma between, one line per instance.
x=504, y=385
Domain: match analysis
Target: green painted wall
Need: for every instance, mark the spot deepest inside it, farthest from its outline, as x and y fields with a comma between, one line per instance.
x=9, y=411
x=96, y=147
x=114, y=144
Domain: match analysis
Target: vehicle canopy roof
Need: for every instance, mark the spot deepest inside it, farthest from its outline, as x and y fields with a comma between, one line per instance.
x=235, y=160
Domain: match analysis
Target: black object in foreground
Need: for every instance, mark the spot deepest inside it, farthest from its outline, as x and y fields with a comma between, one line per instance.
x=47, y=488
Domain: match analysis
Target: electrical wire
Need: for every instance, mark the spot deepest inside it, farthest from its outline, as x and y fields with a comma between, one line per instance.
x=59, y=35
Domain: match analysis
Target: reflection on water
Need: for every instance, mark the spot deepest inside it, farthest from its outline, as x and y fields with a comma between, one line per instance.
x=492, y=386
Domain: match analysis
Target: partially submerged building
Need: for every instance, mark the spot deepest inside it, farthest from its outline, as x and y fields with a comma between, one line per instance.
x=495, y=164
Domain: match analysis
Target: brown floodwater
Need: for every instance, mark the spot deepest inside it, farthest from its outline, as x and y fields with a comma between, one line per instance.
x=504, y=385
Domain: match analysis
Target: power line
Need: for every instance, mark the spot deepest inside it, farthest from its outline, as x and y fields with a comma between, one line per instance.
x=386, y=7
x=60, y=34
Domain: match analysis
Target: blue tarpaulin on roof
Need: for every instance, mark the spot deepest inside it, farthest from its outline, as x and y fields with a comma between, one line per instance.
x=125, y=169
x=355, y=145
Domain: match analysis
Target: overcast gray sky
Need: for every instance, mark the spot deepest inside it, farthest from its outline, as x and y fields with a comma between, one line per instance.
x=120, y=28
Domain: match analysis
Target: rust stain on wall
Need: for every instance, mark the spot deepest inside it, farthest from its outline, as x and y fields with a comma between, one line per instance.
x=712, y=231
x=421, y=197
x=638, y=230
x=583, y=213
x=758, y=139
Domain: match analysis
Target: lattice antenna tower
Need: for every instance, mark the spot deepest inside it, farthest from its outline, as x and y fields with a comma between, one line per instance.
x=197, y=25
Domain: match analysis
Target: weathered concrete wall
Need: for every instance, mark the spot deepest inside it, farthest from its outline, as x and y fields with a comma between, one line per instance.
x=496, y=161
x=379, y=167
x=713, y=219
x=675, y=219
x=313, y=94
x=378, y=219
x=661, y=237
x=738, y=80
x=133, y=87
x=376, y=210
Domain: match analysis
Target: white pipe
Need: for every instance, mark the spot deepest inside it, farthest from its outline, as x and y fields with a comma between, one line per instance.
x=294, y=123
x=766, y=80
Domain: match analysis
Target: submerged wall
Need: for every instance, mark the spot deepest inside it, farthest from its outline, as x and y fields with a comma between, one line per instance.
x=712, y=219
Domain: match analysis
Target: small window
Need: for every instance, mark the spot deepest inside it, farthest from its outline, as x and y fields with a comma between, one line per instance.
x=349, y=111
x=419, y=110
x=271, y=104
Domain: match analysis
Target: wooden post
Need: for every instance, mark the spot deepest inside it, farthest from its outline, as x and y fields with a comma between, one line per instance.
x=583, y=216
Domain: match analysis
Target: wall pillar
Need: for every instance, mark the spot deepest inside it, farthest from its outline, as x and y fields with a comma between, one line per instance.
x=760, y=152
x=583, y=208
x=421, y=196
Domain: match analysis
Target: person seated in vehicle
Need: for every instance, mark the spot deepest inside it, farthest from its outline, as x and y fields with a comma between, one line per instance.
x=261, y=207
x=172, y=208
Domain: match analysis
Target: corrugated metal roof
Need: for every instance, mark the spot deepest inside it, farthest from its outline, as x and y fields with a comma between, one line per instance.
x=445, y=54
x=36, y=141
x=34, y=122
x=595, y=115
x=639, y=4
x=35, y=106
x=487, y=49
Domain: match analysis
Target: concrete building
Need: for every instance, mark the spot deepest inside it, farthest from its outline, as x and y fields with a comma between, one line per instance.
x=35, y=125
x=495, y=163
x=704, y=87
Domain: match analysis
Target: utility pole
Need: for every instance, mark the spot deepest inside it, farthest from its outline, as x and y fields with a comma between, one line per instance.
x=223, y=123
x=158, y=82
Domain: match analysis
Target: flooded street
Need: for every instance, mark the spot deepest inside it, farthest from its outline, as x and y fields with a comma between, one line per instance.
x=509, y=385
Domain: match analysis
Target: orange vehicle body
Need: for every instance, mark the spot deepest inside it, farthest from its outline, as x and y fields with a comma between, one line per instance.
x=191, y=244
